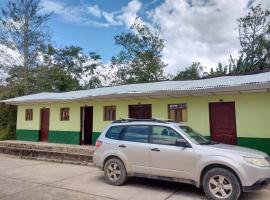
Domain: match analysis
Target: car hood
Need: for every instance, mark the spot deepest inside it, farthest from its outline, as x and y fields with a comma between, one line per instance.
x=238, y=150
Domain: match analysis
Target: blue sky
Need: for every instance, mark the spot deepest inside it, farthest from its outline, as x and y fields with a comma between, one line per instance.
x=194, y=30
x=90, y=37
x=71, y=22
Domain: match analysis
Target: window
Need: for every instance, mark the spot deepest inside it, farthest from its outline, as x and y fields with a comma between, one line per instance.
x=114, y=132
x=136, y=134
x=64, y=114
x=194, y=136
x=164, y=135
x=178, y=112
x=29, y=114
x=109, y=113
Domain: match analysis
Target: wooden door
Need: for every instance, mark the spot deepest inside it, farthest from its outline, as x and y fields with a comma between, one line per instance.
x=142, y=111
x=86, y=124
x=222, y=122
x=44, y=124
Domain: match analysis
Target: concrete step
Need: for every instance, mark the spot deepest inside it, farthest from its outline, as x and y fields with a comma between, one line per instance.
x=63, y=153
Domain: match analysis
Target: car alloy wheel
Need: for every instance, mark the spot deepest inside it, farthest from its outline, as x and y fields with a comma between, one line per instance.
x=220, y=187
x=114, y=172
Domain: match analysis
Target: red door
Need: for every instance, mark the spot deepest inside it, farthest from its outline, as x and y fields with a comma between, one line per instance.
x=222, y=122
x=44, y=127
x=142, y=111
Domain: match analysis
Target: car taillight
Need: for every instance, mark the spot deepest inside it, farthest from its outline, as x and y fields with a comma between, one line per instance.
x=98, y=143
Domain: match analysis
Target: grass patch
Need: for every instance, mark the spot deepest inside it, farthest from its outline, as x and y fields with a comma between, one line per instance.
x=6, y=134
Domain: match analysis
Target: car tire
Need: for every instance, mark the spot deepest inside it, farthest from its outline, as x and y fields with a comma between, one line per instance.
x=115, y=172
x=220, y=183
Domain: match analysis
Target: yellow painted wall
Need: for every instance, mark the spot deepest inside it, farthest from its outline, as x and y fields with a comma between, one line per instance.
x=252, y=113
x=29, y=125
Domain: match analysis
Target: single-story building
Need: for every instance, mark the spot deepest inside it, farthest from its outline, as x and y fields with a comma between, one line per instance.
x=229, y=109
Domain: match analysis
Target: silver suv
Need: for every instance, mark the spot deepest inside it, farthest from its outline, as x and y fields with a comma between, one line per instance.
x=172, y=151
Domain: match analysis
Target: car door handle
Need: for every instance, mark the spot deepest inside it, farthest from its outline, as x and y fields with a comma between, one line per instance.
x=122, y=146
x=155, y=149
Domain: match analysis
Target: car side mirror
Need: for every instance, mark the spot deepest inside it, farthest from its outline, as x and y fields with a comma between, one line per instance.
x=182, y=143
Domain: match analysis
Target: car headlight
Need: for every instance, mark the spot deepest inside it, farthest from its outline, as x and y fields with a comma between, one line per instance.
x=260, y=162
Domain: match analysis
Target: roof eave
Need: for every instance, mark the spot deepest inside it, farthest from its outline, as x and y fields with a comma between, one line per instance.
x=249, y=88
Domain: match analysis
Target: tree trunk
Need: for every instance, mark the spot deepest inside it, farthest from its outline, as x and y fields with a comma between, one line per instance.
x=26, y=51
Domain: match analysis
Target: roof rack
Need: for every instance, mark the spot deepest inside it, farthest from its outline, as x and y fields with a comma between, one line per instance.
x=125, y=120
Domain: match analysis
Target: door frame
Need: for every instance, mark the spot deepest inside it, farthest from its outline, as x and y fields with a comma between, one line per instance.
x=210, y=124
x=40, y=127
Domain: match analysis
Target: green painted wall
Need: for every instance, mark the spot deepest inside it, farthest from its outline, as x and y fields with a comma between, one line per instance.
x=262, y=144
x=27, y=135
x=252, y=114
x=64, y=137
x=95, y=136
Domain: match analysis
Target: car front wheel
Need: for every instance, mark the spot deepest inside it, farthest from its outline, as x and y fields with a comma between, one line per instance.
x=221, y=184
x=115, y=172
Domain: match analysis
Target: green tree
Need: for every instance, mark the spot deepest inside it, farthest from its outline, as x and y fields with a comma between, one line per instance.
x=140, y=57
x=23, y=29
x=67, y=69
x=219, y=71
x=7, y=114
x=254, y=36
x=190, y=73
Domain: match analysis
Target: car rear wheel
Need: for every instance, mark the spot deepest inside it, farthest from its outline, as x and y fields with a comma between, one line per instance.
x=115, y=172
x=221, y=184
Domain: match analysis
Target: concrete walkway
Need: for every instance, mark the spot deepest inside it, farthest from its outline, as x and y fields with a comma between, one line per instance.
x=33, y=180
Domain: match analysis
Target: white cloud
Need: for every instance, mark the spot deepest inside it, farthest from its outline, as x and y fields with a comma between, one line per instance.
x=197, y=30
x=94, y=10
x=83, y=14
x=9, y=57
x=72, y=14
x=201, y=31
x=129, y=13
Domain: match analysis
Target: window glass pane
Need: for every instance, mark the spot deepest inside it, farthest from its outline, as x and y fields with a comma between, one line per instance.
x=109, y=113
x=164, y=135
x=184, y=115
x=114, y=132
x=136, y=134
x=172, y=115
x=29, y=114
x=194, y=136
x=64, y=114
x=178, y=115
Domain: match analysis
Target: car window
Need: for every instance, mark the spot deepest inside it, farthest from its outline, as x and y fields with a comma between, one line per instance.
x=164, y=135
x=194, y=136
x=114, y=132
x=136, y=134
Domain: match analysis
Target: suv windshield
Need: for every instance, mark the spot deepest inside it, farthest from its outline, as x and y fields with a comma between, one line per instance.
x=194, y=136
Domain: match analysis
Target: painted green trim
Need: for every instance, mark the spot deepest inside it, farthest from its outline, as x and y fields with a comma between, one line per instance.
x=262, y=144
x=95, y=136
x=64, y=137
x=27, y=135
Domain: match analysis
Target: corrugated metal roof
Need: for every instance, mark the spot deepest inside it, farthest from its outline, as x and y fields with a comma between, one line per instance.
x=226, y=83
